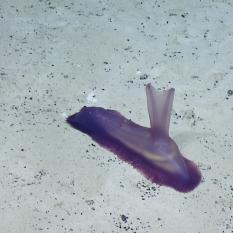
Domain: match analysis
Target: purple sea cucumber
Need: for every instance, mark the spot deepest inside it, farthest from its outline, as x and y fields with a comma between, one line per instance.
x=149, y=150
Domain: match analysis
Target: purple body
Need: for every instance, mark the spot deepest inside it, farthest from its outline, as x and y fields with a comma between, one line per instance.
x=150, y=150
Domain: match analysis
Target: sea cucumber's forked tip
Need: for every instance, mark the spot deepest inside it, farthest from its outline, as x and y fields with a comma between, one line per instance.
x=159, y=104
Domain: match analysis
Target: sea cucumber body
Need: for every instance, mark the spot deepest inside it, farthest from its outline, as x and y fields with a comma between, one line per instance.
x=151, y=152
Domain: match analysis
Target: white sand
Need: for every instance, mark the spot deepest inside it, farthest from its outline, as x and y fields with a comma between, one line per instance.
x=66, y=54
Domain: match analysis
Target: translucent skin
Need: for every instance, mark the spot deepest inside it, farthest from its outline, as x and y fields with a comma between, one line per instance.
x=149, y=150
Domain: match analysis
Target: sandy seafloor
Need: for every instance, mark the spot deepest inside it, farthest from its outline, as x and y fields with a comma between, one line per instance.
x=57, y=56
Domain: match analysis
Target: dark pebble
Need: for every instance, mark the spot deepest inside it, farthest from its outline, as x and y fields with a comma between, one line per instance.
x=230, y=92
